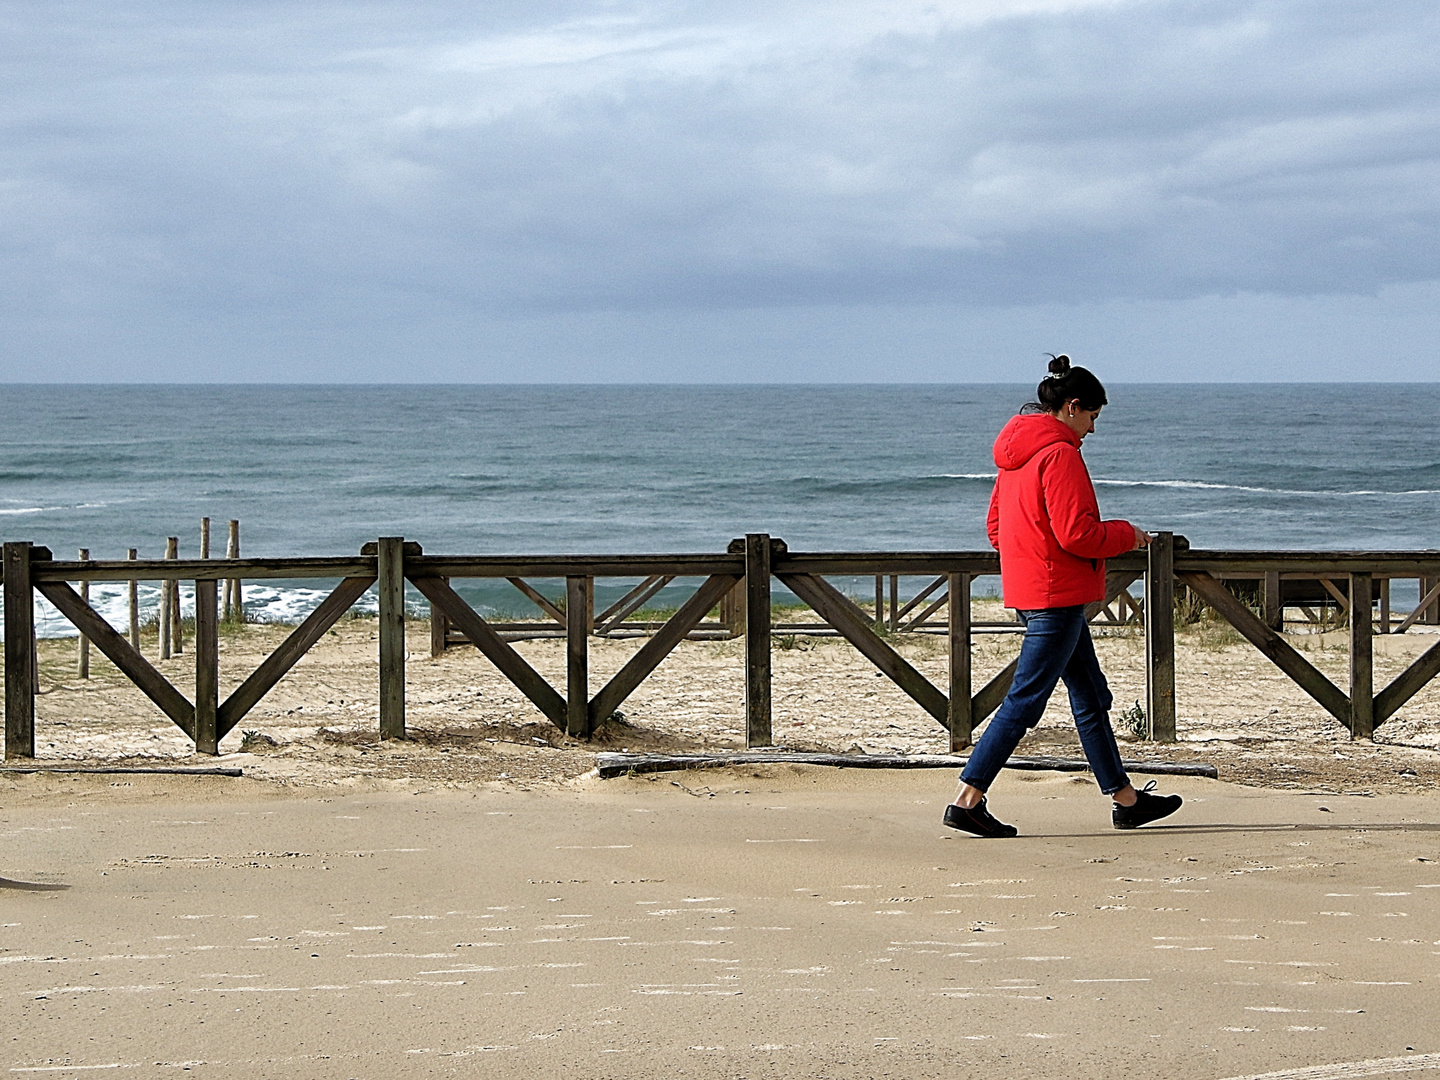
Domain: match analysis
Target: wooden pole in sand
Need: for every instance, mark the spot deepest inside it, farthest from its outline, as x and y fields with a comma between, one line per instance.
x=390, y=580
x=132, y=554
x=82, y=660
x=19, y=652
x=1272, y=608
x=177, y=626
x=961, y=704
x=439, y=627
x=207, y=667
x=579, y=608
x=758, y=731
x=1362, y=660
x=1160, y=638
x=234, y=600
x=162, y=613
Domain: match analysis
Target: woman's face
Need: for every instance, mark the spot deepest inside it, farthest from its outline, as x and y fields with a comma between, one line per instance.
x=1081, y=421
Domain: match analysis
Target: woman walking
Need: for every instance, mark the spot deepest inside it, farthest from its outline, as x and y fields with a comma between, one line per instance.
x=1045, y=522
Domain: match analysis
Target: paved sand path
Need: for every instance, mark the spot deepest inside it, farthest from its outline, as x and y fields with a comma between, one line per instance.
x=765, y=923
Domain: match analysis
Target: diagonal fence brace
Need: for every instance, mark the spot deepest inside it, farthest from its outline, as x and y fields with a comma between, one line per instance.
x=1305, y=675
x=649, y=656
x=832, y=605
x=121, y=653
x=275, y=666
x=496, y=649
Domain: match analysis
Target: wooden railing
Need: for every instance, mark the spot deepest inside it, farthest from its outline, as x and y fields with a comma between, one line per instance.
x=747, y=568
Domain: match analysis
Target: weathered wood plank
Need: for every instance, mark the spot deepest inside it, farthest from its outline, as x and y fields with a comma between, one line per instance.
x=82, y=660
x=649, y=656
x=207, y=666
x=1301, y=671
x=390, y=580
x=495, y=648
x=1272, y=608
x=961, y=710
x=1418, y=615
x=1362, y=658
x=618, y=613
x=920, y=620
x=919, y=598
x=840, y=613
x=579, y=592
x=540, y=599
x=134, y=666
x=609, y=765
x=134, y=598
x=275, y=666
x=605, y=615
x=758, y=551
x=1407, y=684
x=19, y=653
x=439, y=631
x=1160, y=638
x=204, y=569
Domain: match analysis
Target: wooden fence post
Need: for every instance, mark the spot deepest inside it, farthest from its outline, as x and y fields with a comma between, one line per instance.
x=1362, y=661
x=894, y=602
x=162, y=613
x=132, y=555
x=82, y=660
x=1272, y=606
x=19, y=652
x=961, y=703
x=579, y=621
x=177, y=625
x=390, y=581
x=204, y=537
x=879, y=601
x=439, y=627
x=1160, y=638
x=207, y=667
x=758, y=731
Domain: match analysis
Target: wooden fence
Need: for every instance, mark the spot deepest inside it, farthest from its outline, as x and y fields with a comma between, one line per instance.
x=744, y=572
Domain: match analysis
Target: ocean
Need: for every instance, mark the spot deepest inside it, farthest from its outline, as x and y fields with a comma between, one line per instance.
x=319, y=470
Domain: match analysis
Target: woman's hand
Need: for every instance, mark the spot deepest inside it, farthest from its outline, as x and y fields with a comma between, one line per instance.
x=1142, y=538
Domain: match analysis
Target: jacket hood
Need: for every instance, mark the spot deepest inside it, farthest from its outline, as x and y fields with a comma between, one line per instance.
x=1026, y=435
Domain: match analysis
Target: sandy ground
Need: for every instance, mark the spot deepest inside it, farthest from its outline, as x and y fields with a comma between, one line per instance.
x=468, y=723
x=776, y=922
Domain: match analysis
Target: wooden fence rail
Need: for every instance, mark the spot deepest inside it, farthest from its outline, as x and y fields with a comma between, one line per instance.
x=740, y=581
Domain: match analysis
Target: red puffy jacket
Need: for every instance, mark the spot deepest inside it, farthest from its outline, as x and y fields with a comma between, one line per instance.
x=1044, y=520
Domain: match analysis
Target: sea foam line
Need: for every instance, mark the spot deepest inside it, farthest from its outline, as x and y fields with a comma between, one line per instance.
x=1207, y=485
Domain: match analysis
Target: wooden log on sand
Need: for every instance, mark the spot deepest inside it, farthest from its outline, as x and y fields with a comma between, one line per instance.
x=611, y=765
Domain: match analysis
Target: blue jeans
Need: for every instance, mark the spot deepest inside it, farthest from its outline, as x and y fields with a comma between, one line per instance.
x=1057, y=646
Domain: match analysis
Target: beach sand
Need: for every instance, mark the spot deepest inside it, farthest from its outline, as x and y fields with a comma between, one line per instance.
x=766, y=922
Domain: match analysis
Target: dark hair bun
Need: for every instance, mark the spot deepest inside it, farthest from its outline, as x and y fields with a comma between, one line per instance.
x=1059, y=365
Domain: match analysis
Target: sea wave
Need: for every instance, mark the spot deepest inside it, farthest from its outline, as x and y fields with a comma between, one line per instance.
x=1210, y=485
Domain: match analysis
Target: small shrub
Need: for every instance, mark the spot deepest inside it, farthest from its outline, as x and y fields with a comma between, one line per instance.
x=256, y=742
x=1134, y=721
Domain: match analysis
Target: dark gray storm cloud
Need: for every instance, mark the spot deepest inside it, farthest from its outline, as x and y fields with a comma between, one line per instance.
x=303, y=171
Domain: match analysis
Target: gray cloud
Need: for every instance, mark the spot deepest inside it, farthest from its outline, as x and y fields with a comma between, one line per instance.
x=302, y=171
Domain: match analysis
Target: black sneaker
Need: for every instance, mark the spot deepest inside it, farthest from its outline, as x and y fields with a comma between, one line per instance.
x=977, y=820
x=1147, y=808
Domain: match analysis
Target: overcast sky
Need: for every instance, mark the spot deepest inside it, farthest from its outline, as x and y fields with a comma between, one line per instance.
x=791, y=190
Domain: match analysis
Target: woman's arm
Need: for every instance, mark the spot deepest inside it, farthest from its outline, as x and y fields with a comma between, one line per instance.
x=1070, y=500
x=992, y=521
